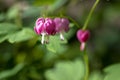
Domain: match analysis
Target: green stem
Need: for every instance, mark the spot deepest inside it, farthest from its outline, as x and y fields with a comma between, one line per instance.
x=90, y=14
x=86, y=66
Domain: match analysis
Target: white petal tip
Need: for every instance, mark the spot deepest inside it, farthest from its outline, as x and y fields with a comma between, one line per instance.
x=82, y=46
x=62, y=37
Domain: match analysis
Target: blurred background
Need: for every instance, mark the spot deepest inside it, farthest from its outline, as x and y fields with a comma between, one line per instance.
x=22, y=57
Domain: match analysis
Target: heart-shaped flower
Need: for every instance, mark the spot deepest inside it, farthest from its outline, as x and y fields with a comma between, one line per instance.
x=45, y=27
x=62, y=25
x=83, y=36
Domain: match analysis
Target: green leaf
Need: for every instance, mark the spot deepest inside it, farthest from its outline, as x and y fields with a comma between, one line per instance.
x=13, y=12
x=96, y=75
x=112, y=72
x=2, y=38
x=7, y=28
x=66, y=70
x=23, y=35
x=12, y=72
x=55, y=44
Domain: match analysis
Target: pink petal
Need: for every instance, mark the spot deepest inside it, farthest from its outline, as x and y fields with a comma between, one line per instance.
x=39, y=20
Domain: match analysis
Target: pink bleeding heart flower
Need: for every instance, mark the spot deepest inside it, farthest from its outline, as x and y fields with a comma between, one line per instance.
x=83, y=36
x=45, y=27
x=62, y=25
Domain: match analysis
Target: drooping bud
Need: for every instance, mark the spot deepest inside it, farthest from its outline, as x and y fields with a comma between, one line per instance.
x=45, y=27
x=49, y=26
x=39, y=26
x=83, y=36
x=62, y=25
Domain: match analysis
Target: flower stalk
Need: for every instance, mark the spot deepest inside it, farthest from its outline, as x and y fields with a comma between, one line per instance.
x=90, y=14
x=84, y=28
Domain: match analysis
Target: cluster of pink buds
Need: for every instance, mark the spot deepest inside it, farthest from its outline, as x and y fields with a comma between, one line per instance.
x=48, y=26
x=83, y=36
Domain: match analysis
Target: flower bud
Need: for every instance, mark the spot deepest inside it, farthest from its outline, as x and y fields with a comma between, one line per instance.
x=39, y=26
x=49, y=26
x=62, y=25
x=45, y=27
x=83, y=36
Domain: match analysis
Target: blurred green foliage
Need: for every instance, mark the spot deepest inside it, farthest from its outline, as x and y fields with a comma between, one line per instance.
x=23, y=57
x=67, y=70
